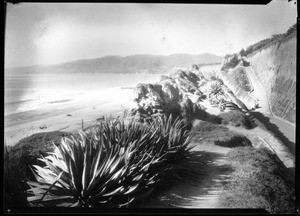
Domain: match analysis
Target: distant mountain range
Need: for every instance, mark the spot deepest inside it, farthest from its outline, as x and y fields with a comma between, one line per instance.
x=142, y=63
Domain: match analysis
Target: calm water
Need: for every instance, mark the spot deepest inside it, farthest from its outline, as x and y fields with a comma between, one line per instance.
x=32, y=92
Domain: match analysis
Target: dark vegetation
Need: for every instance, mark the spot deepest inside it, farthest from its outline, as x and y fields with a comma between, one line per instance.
x=233, y=141
x=27, y=151
x=231, y=61
x=236, y=118
x=17, y=162
x=219, y=134
x=15, y=187
x=260, y=180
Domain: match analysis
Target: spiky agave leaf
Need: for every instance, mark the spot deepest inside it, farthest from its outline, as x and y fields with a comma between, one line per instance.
x=106, y=169
x=116, y=164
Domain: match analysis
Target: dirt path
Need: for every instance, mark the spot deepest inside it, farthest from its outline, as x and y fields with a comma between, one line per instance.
x=213, y=169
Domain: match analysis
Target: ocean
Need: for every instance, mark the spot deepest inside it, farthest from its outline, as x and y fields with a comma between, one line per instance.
x=30, y=95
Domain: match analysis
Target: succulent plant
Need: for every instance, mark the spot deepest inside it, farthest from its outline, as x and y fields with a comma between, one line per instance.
x=115, y=164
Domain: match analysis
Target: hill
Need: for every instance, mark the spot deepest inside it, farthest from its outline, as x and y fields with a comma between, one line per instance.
x=116, y=64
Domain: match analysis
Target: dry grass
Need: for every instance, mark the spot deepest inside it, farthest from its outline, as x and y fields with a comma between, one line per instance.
x=220, y=135
x=260, y=180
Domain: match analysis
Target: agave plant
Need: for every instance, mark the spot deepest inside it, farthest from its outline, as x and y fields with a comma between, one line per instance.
x=116, y=164
x=216, y=88
x=174, y=134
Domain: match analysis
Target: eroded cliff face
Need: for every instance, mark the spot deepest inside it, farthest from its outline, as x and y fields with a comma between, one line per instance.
x=175, y=94
x=275, y=67
x=237, y=80
x=186, y=93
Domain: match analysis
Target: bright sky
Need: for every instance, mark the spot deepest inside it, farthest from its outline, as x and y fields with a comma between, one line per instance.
x=50, y=33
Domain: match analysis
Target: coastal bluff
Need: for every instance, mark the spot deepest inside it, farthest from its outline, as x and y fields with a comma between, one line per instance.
x=185, y=93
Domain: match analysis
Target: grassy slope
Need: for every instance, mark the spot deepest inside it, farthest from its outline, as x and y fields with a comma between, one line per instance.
x=27, y=150
x=218, y=134
x=259, y=181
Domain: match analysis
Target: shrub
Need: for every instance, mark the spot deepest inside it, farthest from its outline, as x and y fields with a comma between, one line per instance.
x=233, y=140
x=242, y=52
x=220, y=135
x=232, y=61
x=114, y=165
x=236, y=118
x=15, y=191
x=27, y=151
x=291, y=30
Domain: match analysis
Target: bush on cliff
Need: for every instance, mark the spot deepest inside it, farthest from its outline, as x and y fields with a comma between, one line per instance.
x=231, y=61
x=267, y=42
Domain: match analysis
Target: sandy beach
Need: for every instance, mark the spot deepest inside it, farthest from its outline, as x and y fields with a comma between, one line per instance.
x=69, y=117
x=44, y=102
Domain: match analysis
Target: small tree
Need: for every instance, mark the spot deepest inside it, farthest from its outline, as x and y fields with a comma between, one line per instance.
x=242, y=52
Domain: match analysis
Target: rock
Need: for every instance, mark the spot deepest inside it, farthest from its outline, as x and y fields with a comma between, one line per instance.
x=171, y=95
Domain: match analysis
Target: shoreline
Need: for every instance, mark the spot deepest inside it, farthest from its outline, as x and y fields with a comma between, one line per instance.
x=69, y=119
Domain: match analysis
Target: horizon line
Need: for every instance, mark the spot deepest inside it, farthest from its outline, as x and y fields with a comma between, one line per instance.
x=83, y=59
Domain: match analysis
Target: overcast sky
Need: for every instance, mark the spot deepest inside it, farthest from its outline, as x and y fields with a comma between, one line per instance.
x=50, y=33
